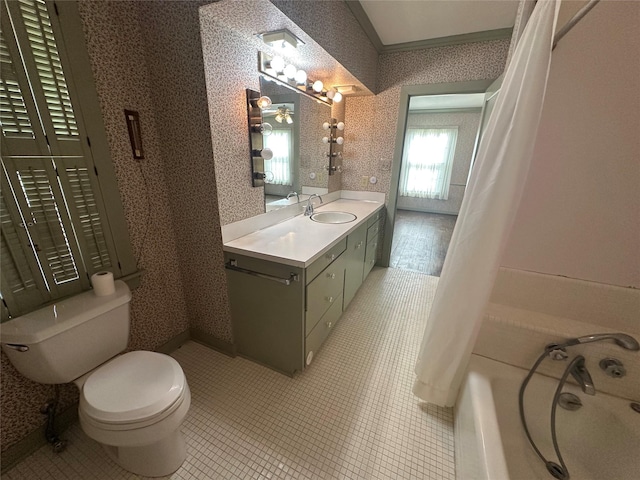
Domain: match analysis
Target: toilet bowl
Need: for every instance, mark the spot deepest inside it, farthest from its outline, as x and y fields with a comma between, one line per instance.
x=133, y=403
x=134, y=406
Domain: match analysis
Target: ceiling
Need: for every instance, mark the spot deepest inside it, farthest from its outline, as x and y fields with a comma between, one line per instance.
x=398, y=22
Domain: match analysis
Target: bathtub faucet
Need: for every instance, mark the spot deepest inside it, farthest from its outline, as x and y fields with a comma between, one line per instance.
x=579, y=371
x=621, y=339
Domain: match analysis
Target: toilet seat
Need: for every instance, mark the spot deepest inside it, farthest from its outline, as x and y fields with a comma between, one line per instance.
x=132, y=391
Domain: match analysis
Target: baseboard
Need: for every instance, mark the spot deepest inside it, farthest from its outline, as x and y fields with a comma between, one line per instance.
x=210, y=341
x=429, y=210
x=36, y=439
x=174, y=343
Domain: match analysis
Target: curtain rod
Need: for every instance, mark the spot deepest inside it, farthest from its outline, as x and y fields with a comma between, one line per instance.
x=571, y=23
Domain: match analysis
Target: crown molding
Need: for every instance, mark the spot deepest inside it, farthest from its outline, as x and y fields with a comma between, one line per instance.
x=486, y=36
x=370, y=31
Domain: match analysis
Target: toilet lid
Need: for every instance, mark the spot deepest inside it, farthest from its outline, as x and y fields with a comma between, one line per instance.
x=133, y=387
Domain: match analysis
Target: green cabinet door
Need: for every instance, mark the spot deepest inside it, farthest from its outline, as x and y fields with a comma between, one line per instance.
x=356, y=247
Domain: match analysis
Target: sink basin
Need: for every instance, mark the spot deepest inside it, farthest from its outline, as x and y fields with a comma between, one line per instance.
x=333, y=217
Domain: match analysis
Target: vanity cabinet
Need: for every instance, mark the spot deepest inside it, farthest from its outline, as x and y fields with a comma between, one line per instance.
x=282, y=314
x=374, y=235
x=288, y=284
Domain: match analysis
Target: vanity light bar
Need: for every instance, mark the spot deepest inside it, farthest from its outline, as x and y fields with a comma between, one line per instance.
x=277, y=75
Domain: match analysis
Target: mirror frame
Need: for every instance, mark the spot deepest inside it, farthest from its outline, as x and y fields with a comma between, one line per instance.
x=254, y=121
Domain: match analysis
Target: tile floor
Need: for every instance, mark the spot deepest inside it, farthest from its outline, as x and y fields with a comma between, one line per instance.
x=350, y=415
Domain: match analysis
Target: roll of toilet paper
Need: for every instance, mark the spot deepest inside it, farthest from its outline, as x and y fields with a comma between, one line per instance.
x=103, y=284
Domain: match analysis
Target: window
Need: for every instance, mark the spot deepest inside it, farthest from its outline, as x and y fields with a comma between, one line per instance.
x=427, y=161
x=55, y=229
x=279, y=141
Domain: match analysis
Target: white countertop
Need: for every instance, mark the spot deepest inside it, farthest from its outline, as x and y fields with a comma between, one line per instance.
x=299, y=240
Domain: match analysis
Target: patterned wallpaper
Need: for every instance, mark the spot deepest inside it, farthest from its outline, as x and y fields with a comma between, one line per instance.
x=372, y=121
x=230, y=62
x=312, y=150
x=333, y=26
x=467, y=124
x=175, y=62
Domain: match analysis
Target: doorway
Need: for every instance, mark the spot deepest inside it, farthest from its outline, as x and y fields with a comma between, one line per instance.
x=437, y=137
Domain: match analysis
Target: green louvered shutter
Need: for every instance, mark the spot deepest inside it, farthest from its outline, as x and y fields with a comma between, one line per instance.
x=55, y=232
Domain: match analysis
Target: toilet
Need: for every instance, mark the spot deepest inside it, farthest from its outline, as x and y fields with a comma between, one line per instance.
x=133, y=404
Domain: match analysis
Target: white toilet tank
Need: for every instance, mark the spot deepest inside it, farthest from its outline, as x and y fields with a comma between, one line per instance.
x=63, y=341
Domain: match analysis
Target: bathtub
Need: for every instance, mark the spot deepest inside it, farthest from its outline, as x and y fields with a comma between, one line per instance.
x=599, y=441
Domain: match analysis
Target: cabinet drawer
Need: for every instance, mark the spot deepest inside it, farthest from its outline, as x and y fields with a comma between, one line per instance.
x=321, y=331
x=373, y=230
x=324, y=291
x=321, y=263
x=375, y=217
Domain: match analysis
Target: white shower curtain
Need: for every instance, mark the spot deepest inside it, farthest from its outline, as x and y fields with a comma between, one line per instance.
x=487, y=214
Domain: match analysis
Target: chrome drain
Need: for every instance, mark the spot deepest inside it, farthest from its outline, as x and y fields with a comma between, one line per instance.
x=635, y=406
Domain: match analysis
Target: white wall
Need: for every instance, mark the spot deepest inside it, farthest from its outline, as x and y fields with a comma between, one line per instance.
x=580, y=212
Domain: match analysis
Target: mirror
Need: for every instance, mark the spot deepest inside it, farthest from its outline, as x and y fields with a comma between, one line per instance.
x=230, y=49
x=300, y=156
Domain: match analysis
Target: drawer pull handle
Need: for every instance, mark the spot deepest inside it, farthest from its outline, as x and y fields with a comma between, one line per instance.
x=329, y=324
x=331, y=257
x=330, y=299
x=331, y=275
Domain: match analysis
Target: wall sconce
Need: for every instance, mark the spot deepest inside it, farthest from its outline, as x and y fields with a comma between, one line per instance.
x=257, y=129
x=335, y=141
x=276, y=69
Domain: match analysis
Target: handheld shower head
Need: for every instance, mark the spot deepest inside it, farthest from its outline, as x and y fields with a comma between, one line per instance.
x=621, y=339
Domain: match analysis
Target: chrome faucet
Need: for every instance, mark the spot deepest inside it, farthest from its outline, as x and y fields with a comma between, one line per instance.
x=291, y=194
x=581, y=374
x=308, y=211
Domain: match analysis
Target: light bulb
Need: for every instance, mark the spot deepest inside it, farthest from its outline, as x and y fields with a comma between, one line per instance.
x=279, y=118
x=266, y=153
x=340, y=126
x=325, y=140
x=265, y=129
x=331, y=93
x=326, y=125
x=290, y=71
x=277, y=63
x=317, y=86
x=337, y=97
x=263, y=102
x=339, y=140
x=289, y=119
x=301, y=77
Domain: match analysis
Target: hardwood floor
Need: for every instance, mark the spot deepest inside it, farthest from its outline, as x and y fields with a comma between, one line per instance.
x=421, y=241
